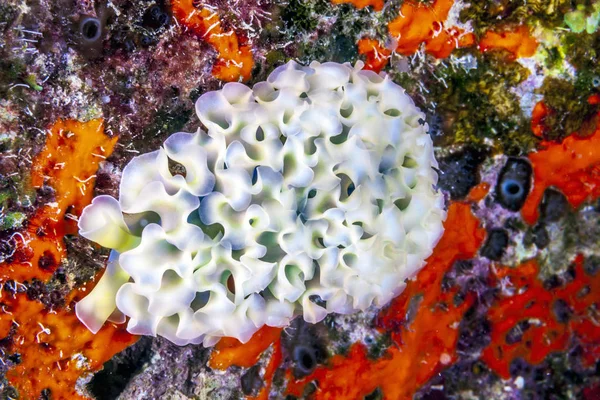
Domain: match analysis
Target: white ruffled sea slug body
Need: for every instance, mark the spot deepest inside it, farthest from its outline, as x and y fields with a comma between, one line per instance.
x=310, y=193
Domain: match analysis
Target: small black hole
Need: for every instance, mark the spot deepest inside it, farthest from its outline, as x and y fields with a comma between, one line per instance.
x=513, y=184
x=155, y=18
x=155, y=11
x=162, y=19
x=147, y=41
x=90, y=29
x=307, y=361
x=512, y=188
x=312, y=193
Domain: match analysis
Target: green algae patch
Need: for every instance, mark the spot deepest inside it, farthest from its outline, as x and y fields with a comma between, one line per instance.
x=571, y=111
x=166, y=120
x=576, y=20
x=486, y=14
x=582, y=19
x=12, y=220
x=567, y=96
x=477, y=105
x=31, y=80
x=303, y=16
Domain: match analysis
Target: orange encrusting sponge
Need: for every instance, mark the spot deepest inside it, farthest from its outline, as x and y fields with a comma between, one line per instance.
x=234, y=60
x=54, y=347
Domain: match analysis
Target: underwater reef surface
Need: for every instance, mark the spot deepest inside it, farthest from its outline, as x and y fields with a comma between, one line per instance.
x=508, y=304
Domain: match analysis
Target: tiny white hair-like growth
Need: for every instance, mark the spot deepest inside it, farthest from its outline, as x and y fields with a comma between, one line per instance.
x=311, y=193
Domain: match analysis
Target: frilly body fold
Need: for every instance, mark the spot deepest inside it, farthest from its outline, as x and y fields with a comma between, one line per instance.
x=311, y=193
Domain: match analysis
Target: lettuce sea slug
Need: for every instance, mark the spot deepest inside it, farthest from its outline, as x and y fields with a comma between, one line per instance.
x=311, y=193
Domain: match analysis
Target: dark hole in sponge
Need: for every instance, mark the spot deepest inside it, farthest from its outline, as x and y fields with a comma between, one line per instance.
x=554, y=205
x=513, y=184
x=308, y=361
x=541, y=238
x=515, y=334
x=591, y=265
x=459, y=172
x=315, y=298
x=155, y=17
x=341, y=138
x=251, y=381
x=47, y=262
x=495, y=245
x=562, y=311
x=213, y=230
x=403, y=204
x=512, y=188
x=90, y=29
x=305, y=359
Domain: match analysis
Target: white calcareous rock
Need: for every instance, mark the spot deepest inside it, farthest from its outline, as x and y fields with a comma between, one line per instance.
x=311, y=193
